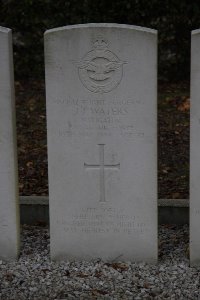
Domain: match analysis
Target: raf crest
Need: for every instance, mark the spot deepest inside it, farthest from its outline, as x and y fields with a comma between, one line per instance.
x=100, y=70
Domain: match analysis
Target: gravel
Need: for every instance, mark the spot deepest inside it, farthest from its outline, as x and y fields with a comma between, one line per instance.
x=34, y=276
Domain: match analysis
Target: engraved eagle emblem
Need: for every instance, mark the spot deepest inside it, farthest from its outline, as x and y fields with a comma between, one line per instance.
x=98, y=71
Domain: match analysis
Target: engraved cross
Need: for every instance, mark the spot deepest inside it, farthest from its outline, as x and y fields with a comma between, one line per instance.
x=101, y=166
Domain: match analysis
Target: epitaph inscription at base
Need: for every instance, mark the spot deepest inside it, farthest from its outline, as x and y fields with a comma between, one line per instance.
x=101, y=124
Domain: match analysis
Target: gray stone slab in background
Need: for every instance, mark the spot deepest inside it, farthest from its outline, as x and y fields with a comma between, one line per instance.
x=101, y=123
x=195, y=151
x=9, y=210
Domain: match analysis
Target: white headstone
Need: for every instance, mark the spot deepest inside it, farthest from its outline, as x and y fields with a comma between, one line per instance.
x=101, y=111
x=195, y=151
x=9, y=210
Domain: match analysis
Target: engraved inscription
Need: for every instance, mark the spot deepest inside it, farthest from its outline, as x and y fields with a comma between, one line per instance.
x=101, y=166
x=3, y=222
x=100, y=117
x=100, y=70
x=101, y=220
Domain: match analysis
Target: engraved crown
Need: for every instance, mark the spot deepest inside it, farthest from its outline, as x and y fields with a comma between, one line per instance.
x=100, y=43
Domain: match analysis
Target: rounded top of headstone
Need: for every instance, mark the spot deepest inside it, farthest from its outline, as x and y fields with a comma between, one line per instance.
x=196, y=31
x=104, y=25
x=4, y=29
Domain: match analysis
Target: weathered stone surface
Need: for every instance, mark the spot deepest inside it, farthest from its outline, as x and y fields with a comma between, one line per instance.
x=195, y=151
x=101, y=123
x=9, y=211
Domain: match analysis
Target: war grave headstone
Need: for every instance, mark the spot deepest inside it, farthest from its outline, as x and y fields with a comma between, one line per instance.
x=101, y=90
x=195, y=150
x=9, y=210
